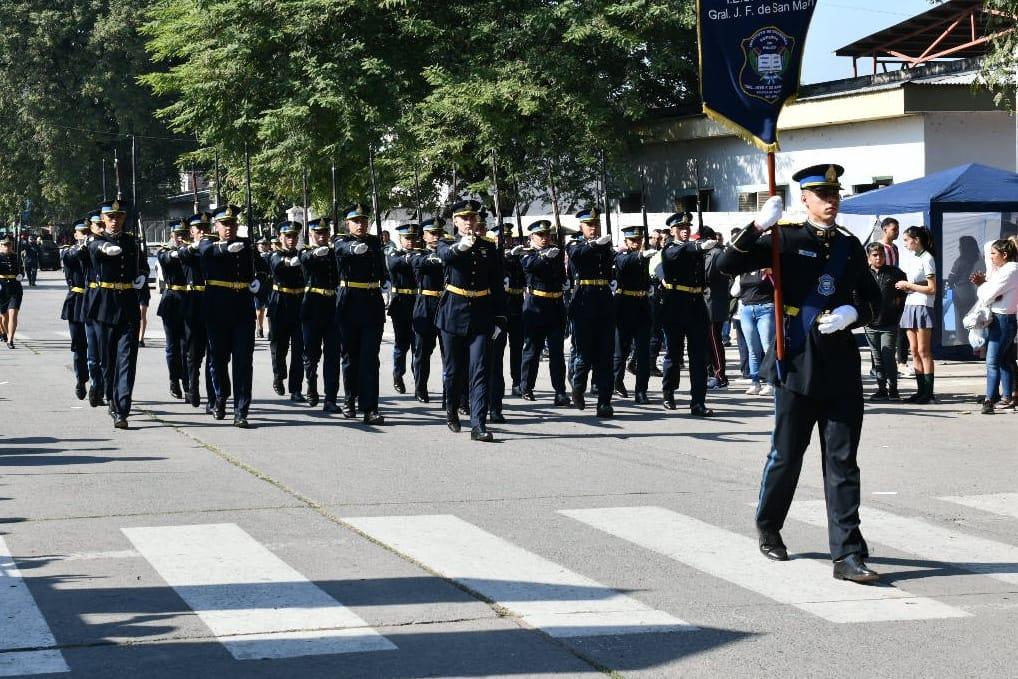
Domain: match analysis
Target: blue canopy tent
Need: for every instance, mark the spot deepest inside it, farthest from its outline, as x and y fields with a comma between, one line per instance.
x=964, y=207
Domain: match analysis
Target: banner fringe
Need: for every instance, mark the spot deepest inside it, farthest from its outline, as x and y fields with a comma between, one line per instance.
x=741, y=131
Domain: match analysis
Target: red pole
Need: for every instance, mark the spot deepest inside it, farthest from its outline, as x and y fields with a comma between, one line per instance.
x=779, y=296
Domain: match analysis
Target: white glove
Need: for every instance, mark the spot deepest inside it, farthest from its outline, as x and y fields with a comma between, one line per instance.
x=770, y=213
x=516, y=251
x=466, y=242
x=140, y=281
x=551, y=253
x=648, y=253
x=434, y=260
x=112, y=250
x=839, y=319
x=603, y=240
x=359, y=248
x=255, y=286
x=193, y=247
x=235, y=247
x=174, y=254
x=321, y=252
x=708, y=245
x=498, y=331
x=19, y=277
x=292, y=261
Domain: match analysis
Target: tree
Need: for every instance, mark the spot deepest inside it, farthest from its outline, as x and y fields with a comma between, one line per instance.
x=1000, y=66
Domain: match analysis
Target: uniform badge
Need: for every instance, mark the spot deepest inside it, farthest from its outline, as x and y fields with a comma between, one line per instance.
x=826, y=286
x=807, y=253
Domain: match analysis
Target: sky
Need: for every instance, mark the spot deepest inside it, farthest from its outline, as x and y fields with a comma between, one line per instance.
x=837, y=23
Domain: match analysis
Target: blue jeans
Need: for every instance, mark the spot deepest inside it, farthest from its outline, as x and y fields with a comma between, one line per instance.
x=1000, y=373
x=758, y=325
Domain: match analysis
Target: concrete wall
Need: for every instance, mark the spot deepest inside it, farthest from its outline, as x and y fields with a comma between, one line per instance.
x=954, y=139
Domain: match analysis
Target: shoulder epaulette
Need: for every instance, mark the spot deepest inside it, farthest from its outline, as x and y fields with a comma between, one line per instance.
x=789, y=224
x=845, y=231
x=490, y=240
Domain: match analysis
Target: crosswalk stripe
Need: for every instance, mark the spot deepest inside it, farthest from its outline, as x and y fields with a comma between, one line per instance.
x=252, y=601
x=926, y=540
x=542, y=593
x=1004, y=504
x=22, y=626
x=803, y=583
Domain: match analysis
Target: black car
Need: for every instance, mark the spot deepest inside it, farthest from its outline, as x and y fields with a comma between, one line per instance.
x=49, y=254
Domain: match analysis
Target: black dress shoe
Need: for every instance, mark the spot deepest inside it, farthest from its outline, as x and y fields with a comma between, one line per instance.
x=374, y=418
x=879, y=395
x=700, y=410
x=175, y=391
x=668, y=400
x=79, y=391
x=561, y=400
x=496, y=416
x=194, y=398
x=578, y=401
x=349, y=411
x=422, y=396
x=220, y=409
x=620, y=389
x=772, y=546
x=515, y=391
x=120, y=422
x=452, y=420
x=297, y=397
x=330, y=407
x=240, y=422
x=313, y=398
x=605, y=411
x=277, y=386
x=528, y=395
x=641, y=398
x=95, y=399
x=399, y=385
x=853, y=569
x=481, y=434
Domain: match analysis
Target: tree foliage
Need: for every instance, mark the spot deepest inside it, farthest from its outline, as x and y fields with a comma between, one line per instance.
x=1000, y=66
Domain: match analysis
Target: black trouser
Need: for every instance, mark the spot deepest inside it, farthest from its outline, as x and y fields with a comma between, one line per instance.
x=79, y=351
x=95, y=357
x=401, y=310
x=839, y=421
x=118, y=345
x=424, y=347
x=322, y=333
x=883, y=344
x=468, y=364
x=716, y=352
x=233, y=342
x=176, y=350
x=496, y=378
x=33, y=271
x=595, y=350
x=361, y=344
x=197, y=341
x=633, y=337
x=538, y=331
x=515, y=342
x=657, y=333
x=285, y=336
x=684, y=330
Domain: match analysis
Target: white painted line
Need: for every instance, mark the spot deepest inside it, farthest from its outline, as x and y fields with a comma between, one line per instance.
x=63, y=334
x=803, y=583
x=23, y=626
x=542, y=593
x=257, y=605
x=925, y=540
x=1003, y=504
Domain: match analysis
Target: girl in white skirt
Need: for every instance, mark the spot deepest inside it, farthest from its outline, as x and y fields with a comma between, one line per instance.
x=917, y=319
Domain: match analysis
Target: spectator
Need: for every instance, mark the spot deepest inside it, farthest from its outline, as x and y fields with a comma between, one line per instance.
x=882, y=333
x=999, y=292
x=756, y=292
x=889, y=229
x=717, y=298
x=917, y=319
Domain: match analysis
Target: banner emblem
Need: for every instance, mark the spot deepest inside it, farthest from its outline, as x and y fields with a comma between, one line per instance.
x=768, y=54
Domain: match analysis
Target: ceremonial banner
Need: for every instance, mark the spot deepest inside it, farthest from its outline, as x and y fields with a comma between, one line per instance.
x=750, y=61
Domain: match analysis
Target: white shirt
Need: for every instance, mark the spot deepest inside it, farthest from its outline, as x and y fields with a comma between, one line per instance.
x=920, y=268
x=1002, y=283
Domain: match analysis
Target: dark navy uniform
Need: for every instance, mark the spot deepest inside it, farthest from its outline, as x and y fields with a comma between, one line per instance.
x=592, y=316
x=173, y=313
x=823, y=269
x=114, y=308
x=512, y=338
x=228, y=303
x=73, y=310
x=361, y=311
x=30, y=256
x=430, y=276
x=97, y=383
x=11, y=291
x=544, y=315
x=196, y=336
x=285, y=331
x=319, y=321
x=401, y=304
x=632, y=314
x=684, y=318
x=472, y=306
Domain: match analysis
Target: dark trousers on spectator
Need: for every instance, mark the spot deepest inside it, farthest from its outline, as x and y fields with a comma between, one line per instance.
x=883, y=346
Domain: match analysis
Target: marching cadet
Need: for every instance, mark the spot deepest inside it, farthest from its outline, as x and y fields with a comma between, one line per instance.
x=121, y=270
x=11, y=292
x=632, y=313
x=361, y=313
x=402, y=301
x=513, y=336
x=265, y=252
x=544, y=312
x=232, y=278
x=196, y=336
x=73, y=310
x=591, y=311
x=97, y=382
x=684, y=314
x=318, y=316
x=285, y=333
x=470, y=312
x=172, y=309
x=430, y=276
x=828, y=291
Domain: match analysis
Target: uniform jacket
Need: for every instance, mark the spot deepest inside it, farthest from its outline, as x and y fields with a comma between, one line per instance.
x=429, y=274
x=718, y=295
x=174, y=300
x=632, y=275
x=515, y=282
x=359, y=306
x=321, y=273
x=109, y=305
x=74, y=273
x=283, y=305
x=544, y=274
x=226, y=306
x=590, y=261
x=401, y=276
x=479, y=268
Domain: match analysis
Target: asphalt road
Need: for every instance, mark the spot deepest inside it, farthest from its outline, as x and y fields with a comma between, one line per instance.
x=312, y=546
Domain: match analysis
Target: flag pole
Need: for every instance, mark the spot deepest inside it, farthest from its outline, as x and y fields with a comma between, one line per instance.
x=779, y=295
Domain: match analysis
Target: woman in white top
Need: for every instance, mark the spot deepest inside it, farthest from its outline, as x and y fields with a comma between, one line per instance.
x=917, y=319
x=999, y=292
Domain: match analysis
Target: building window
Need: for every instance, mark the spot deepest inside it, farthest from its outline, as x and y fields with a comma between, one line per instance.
x=752, y=201
x=631, y=202
x=878, y=183
x=688, y=203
